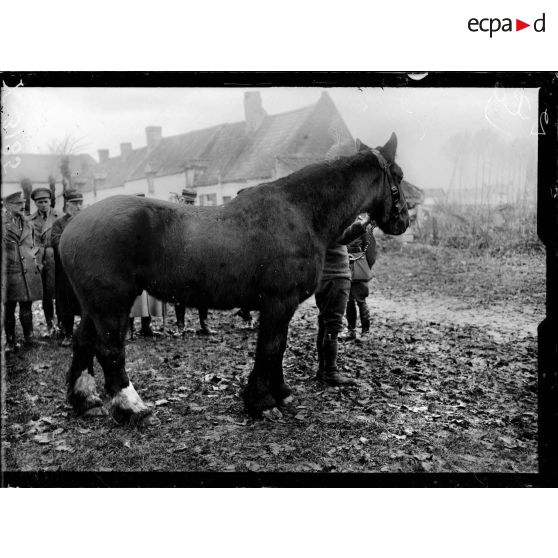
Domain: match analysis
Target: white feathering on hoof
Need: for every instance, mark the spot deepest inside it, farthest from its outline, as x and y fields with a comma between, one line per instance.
x=128, y=399
x=85, y=385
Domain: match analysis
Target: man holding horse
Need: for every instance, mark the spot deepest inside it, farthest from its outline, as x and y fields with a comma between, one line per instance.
x=331, y=298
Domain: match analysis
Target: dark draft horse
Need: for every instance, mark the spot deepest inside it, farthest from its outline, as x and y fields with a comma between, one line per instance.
x=263, y=250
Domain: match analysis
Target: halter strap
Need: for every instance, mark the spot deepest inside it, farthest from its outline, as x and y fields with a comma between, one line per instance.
x=395, y=195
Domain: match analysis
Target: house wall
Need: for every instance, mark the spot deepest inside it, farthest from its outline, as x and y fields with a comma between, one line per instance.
x=163, y=186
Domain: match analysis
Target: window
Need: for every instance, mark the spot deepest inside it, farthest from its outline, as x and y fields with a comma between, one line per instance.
x=227, y=199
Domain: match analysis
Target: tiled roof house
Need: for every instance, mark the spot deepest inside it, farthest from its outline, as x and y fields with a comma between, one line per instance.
x=219, y=161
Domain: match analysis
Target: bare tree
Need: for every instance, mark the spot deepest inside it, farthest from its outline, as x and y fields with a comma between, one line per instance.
x=66, y=146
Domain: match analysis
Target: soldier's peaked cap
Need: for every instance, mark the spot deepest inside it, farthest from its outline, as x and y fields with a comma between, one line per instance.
x=38, y=193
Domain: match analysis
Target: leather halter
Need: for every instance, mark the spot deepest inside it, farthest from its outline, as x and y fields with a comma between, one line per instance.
x=396, y=206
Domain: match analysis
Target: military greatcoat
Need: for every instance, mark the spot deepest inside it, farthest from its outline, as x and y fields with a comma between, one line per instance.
x=43, y=229
x=22, y=279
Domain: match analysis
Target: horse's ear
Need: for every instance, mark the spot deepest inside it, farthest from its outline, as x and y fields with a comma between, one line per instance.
x=360, y=146
x=389, y=149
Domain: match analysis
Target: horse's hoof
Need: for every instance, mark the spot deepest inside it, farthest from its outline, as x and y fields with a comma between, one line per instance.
x=126, y=416
x=126, y=407
x=257, y=404
x=272, y=414
x=82, y=395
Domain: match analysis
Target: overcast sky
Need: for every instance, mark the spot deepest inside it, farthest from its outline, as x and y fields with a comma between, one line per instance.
x=424, y=119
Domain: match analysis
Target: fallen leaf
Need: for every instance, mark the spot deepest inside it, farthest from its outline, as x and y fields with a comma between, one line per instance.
x=508, y=442
x=42, y=438
x=63, y=447
x=275, y=448
x=196, y=408
x=160, y=402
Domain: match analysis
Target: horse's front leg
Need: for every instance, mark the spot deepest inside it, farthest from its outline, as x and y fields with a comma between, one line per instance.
x=126, y=406
x=266, y=387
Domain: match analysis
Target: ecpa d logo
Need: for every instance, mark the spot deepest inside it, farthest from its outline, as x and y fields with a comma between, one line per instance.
x=492, y=25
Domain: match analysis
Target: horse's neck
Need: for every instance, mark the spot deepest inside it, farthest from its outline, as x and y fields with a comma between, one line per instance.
x=338, y=202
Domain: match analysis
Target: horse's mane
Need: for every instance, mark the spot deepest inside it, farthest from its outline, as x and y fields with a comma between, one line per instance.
x=322, y=171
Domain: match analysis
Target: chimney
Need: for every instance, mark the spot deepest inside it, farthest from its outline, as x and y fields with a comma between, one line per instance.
x=103, y=155
x=125, y=150
x=253, y=110
x=154, y=134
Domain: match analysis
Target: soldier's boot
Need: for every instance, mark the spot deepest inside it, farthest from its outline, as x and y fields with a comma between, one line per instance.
x=26, y=319
x=331, y=373
x=365, y=323
x=9, y=328
x=351, y=334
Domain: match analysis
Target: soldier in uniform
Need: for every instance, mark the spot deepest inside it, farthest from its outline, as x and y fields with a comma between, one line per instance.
x=67, y=305
x=42, y=221
x=22, y=280
x=331, y=300
x=362, y=255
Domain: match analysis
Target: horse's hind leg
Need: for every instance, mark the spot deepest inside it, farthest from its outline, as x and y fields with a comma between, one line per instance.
x=82, y=390
x=266, y=387
x=126, y=405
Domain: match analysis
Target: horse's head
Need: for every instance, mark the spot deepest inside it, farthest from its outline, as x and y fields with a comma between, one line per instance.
x=388, y=207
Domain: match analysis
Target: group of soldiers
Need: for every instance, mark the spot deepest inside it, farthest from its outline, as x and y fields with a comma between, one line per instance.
x=33, y=270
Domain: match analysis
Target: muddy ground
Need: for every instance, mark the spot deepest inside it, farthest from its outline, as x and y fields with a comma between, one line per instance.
x=446, y=383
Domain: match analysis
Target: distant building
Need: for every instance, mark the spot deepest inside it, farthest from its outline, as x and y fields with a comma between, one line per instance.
x=219, y=161
x=46, y=170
